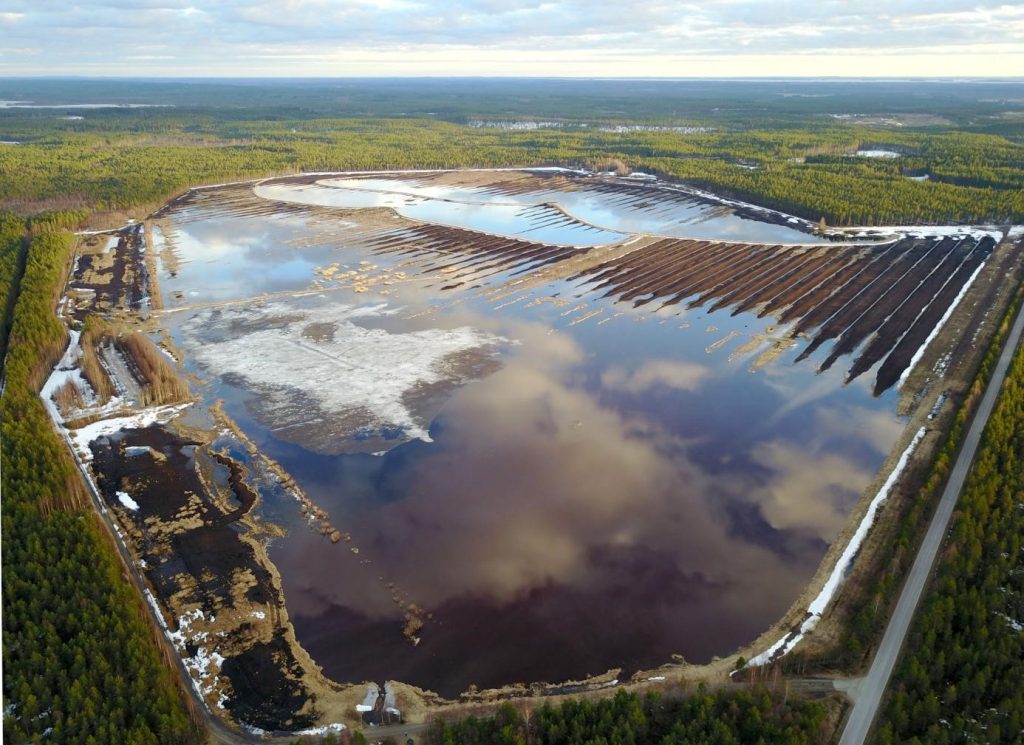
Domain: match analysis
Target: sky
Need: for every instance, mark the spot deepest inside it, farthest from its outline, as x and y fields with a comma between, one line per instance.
x=550, y=38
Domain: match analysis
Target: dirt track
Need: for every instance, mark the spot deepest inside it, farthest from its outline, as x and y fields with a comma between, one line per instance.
x=895, y=292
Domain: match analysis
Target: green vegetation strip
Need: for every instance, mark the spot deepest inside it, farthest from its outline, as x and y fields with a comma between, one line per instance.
x=12, y=264
x=113, y=163
x=960, y=677
x=871, y=596
x=80, y=663
x=720, y=717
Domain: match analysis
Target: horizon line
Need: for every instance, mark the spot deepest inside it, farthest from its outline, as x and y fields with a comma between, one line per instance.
x=656, y=78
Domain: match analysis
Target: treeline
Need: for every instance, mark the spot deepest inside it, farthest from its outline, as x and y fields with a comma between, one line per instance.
x=80, y=662
x=12, y=263
x=722, y=717
x=868, y=596
x=799, y=169
x=960, y=677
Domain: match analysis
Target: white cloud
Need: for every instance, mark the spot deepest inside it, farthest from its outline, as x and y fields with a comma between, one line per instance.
x=685, y=376
x=525, y=37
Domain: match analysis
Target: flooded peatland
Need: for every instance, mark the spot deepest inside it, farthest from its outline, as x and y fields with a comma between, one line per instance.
x=470, y=429
x=546, y=459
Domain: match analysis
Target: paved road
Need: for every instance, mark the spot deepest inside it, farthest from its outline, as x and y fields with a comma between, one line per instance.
x=869, y=692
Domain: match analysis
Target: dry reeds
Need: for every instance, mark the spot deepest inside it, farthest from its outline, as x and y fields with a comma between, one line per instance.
x=68, y=397
x=94, y=333
x=156, y=374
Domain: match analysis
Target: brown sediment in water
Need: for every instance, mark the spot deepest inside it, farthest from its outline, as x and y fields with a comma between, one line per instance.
x=315, y=514
x=203, y=553
x=773, y=279
x=109, y=281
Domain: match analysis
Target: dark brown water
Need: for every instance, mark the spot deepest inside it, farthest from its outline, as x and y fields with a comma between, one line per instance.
x=602, y=495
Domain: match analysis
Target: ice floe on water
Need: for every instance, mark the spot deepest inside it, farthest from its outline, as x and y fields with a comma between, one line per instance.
x=125, y=499
x=361, y=375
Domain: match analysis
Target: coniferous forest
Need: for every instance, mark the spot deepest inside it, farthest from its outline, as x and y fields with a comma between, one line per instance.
x=81, y=661
x=723, y=717
x=960, y=677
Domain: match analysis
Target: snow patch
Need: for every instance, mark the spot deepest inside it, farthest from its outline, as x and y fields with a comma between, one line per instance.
x=370, y=699
x=324, y=730
x=938, y=327
x=876, y=154
x=920, y=231
x=156, y=608
x=1013, y=623
x=204, y=666
x=65, y=370
x=83, y=436
x=626, y=128
x=129, y=503
x=359, y=369
x=390, y=706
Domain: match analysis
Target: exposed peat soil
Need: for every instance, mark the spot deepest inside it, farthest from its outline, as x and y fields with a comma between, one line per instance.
x=198, y=553
x=473, y=458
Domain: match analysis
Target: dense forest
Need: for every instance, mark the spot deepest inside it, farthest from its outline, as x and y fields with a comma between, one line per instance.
x=960, y=677
x=757, y=143
x=868, y=597
x=80, y=662
x=12, y=263
x=121, y=169
x=978, y=104
x=756, y=716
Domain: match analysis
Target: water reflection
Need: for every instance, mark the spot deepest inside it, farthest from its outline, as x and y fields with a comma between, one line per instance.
x=586, y=214
x=555, y=511
x=607, y=495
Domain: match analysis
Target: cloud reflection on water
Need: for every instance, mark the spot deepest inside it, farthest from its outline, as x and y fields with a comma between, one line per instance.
x=532, y=477
x=612, y=489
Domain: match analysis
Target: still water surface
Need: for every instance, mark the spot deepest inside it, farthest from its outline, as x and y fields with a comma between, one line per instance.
x=557, y=499
x=579, y=217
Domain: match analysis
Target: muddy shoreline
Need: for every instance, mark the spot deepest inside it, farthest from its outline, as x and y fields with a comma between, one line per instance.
x=197, y=483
